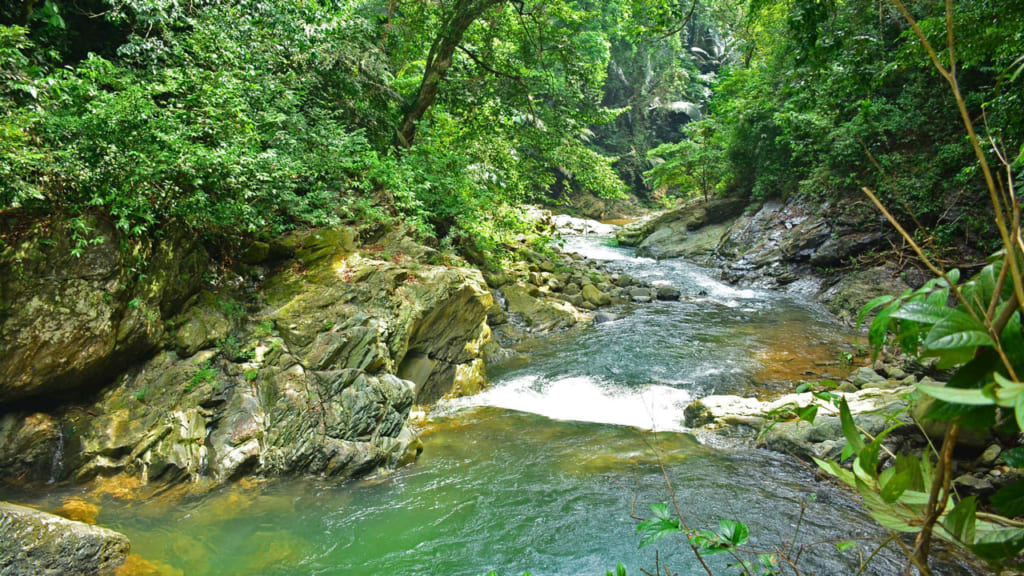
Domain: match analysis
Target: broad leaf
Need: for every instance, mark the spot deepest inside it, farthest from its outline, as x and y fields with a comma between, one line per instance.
x=891, y=516
x=833, y=468
x=971, y=397
x=1000, y=544
x=1014, y=457
x=807, y=413
x=1009, y=500
x=960, y=521
x=923, y=312
x=736, y=533
x=958, y=330
x=662, y=525
x=871, y=305
x=850, y=431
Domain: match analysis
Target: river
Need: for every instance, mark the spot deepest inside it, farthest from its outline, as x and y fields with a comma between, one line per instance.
x=539, y=472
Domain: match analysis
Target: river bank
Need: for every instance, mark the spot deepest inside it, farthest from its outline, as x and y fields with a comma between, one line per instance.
x=609, y=377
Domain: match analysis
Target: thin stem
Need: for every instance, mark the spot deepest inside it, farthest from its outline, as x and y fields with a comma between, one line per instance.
x=937, y=496
x=864, y=565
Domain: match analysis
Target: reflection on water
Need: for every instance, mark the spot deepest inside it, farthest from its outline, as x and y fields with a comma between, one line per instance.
x=501, y=490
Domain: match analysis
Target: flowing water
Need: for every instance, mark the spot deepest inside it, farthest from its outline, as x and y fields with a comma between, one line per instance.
x=539, y=472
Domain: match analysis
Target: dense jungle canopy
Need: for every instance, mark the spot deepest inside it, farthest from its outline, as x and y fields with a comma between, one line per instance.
x=241, y=118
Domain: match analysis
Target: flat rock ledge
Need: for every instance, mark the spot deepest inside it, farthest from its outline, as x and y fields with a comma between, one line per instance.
x=822, y=439
x=34, y=543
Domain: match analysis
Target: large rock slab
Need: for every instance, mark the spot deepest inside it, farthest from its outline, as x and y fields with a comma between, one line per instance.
x=72, y=307
x=784, y=241
x=539, y=313
x=321, y=380
x=664, y=235
x=34, y=543
x=822, y=439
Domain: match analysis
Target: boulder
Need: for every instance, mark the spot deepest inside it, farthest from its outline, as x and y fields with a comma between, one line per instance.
x=846, y=298
x=319, y=381
x=595, y=296
x=668, y=292
x=822, y=439
x=72, y=311
x=537, y=313
x=673, y=225
x=34, y=543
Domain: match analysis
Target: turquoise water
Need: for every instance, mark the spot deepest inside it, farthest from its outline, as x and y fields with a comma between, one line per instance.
x=540, y=472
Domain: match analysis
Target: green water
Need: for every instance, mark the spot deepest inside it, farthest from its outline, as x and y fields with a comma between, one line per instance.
x=540, y=472
x=500, y=490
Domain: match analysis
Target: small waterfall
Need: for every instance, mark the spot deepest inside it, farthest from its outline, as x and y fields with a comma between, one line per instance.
x=57, y=462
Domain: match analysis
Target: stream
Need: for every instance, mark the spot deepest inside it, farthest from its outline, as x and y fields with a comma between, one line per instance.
x=538, y=473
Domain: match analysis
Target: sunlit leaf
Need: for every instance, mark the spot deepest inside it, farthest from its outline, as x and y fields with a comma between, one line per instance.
x=972, y=397
x=957, y=330
x=923, y=312
x=850, y=431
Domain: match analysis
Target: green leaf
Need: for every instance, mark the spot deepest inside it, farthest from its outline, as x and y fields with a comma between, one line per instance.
x=960, y=521
x=736, y=533
x=833, y=468
x=620, y=570
x=956, y=331
x=1009, y=500
x=853, y=437
x=662, y=525
x=890, y=516
x=879, y=328
x=1014, y=457
x=661, y=511
x=807, y=413
x=967, y=416
x=844, y=546
x=903, y=476
x=1000, y=544
x=871, y=305
x=971, y=397
x=923, y=312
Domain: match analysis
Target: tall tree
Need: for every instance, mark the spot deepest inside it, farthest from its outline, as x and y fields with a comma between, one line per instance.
x=460, y=17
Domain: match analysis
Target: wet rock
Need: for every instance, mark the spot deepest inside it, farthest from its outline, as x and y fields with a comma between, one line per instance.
x=975, y=484
x=595, y=296
x=256, y=253
x=864, y=377
x=34, y=543
x=663, y=235
x=602, y=317
x=846, y=298
x=537, y=313
x=822, y=439
x=29, y=444
x=989, y=456
x=202, y=325
x=668, y=292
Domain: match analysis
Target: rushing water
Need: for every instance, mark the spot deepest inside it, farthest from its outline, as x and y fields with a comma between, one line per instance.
x=539, y=472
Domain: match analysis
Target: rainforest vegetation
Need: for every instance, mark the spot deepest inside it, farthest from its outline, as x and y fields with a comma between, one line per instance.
x=250, y=117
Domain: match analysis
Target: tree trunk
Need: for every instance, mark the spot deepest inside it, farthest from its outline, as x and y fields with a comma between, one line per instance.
x=438, y=62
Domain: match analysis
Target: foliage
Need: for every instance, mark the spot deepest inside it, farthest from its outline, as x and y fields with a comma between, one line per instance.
x=695, y=165
x=834, y=96
x=251, y=117
x=972, y=327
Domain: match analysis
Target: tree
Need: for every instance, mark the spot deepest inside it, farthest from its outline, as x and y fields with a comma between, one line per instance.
x=455, y=21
